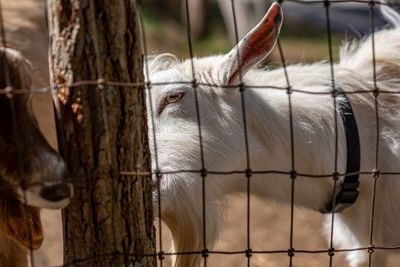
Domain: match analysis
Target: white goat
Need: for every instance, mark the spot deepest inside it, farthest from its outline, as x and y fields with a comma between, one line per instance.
x=177, y=137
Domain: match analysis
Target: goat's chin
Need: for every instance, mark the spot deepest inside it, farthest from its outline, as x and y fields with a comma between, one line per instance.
x=32, y=197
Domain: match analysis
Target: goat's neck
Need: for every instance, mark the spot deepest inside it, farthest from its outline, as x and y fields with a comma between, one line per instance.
x=270, y=146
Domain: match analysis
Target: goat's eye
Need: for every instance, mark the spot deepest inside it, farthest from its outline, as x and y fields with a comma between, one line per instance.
x=170, y=99
x=174, y=98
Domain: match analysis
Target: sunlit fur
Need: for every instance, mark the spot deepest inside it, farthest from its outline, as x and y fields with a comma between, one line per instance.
x=177, y=143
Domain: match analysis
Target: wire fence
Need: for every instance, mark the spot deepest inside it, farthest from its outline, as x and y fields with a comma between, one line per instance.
x=375, y=171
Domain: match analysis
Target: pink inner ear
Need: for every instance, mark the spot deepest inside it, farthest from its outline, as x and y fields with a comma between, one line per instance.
x=259, y=42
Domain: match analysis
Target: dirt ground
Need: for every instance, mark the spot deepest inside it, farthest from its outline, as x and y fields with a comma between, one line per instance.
x=270, y=230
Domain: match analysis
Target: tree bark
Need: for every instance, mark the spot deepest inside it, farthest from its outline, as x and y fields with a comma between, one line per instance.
x=102, y=130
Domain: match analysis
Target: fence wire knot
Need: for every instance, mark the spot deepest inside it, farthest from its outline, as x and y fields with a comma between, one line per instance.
x=161, y=255
x=194, y=83
x=371, y=3
x=291, y=252
x=203, y=172
x=371, y=249
x=289, y=90
x=158, y=174
x=334, y=93
x=9, y=91
x=242, y=87
x=249, y=173
x=101, y=83
x=204, y=253
x=293, y=174
x=249, y=253
x=331, y=252
x=376, y=173
x=335, y=176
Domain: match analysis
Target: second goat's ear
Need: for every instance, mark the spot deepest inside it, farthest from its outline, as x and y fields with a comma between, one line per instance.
x=254, y=47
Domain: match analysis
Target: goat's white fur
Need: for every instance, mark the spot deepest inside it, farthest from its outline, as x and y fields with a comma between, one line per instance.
x=267, y=114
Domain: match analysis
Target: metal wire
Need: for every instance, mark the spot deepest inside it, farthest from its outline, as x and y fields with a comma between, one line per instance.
x=160, y=253
x=376, y=167
x=237, y=252
x=259, y=172
x=293, y=174
x=141, y=84
x=334, y=96
x=203, y=170
x=248, y=173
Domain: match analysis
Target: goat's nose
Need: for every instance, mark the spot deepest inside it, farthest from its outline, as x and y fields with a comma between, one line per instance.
x=56, y=192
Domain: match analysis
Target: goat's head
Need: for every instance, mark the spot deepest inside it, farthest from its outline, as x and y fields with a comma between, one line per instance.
x=175, y=145
x=31, y=172
x=174, y=111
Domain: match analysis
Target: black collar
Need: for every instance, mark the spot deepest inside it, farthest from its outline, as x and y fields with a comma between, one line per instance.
x=348, y=192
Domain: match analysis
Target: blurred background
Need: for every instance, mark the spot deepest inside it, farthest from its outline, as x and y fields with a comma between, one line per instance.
x=303, y=35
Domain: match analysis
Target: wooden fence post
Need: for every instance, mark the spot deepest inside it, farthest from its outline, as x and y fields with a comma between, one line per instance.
x=102, y=131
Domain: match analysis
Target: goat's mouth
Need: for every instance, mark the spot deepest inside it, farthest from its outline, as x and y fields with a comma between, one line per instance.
x=49, y=195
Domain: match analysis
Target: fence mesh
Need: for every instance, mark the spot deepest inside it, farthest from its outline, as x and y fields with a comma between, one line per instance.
x=375, y=172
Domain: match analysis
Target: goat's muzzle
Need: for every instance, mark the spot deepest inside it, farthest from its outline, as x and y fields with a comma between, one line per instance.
x=50, y=195
x=57, y=192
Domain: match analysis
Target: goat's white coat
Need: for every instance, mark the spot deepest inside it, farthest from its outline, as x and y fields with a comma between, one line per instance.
x=177, y=143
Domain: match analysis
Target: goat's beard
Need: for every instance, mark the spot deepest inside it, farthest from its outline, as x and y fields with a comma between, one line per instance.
x=183, y=214
x=20, y=222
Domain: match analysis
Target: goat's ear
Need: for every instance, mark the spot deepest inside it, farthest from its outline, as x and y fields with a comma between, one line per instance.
x=255, y=46
x=21, y=223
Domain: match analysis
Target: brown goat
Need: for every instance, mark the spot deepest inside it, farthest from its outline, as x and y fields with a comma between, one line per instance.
x=32, y=174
